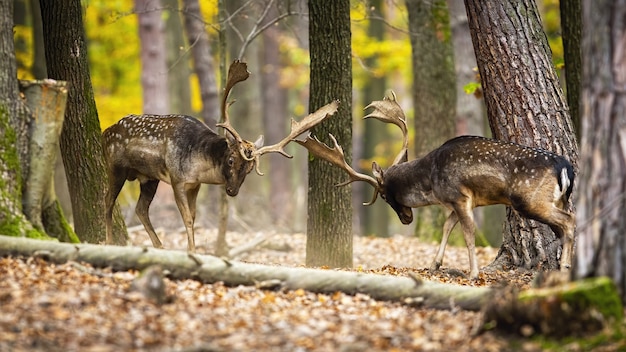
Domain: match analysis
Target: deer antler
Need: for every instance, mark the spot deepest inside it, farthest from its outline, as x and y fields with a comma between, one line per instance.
x=388, y=110
x=297, y=128
x=336, y=157
x=237, y=72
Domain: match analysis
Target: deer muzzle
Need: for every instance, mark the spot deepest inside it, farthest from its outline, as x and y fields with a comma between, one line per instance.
x=406, y=215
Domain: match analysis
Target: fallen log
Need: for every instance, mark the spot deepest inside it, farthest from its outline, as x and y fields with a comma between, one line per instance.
x=208, y=269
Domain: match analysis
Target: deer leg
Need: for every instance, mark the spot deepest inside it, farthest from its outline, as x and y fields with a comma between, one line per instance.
x=115, y=186
x=466, y=218
x=182, y=201
x=447, y=228
x=148, y=190
x=563, y=227
x=192, y=195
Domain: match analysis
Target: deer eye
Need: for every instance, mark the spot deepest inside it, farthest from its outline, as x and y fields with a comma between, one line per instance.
x=231, y=161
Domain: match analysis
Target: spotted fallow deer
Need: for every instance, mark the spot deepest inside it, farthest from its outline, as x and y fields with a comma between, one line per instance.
x=185, y=153
x=464, y=173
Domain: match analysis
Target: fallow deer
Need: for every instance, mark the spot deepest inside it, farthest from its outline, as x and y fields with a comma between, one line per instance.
x=464, y=173
x=185, y=153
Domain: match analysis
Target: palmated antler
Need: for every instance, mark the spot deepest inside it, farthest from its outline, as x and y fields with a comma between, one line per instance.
x=297, y=128
x=388, y=110
x=336, y=157
x=237, y=72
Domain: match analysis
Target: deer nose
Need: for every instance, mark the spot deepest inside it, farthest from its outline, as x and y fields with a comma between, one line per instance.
x=232, y=191
x=406, y=216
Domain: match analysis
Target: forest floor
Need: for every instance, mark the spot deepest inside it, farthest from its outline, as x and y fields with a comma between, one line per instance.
x=73, y=307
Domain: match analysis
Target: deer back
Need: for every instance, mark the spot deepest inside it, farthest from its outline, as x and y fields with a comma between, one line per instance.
x=174, y=149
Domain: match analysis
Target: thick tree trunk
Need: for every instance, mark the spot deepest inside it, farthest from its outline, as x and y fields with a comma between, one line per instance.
x=329, y=226
x=601, y=205
x=46, y=100
x=434, y=101
x=525, y=104
x=81, y=147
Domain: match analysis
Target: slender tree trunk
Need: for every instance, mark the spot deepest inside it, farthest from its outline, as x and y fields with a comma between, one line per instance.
x=81, y=147
x=329, y=226
x=153, y=57
x=374, y=219
x=525, y=104
x=571, y=25
x=274, y=107
x=434, y=101
x=179, y=90
x=202, y=61
x=601, y=205
x=39, y=68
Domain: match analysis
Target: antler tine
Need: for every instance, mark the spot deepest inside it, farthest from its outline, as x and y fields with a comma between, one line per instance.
x=298, y=128
x=336, y=157
x=237, y=72
x=388, y=110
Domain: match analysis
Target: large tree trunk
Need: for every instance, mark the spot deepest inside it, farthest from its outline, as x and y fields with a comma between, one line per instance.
x=525, y=104
x=601, y=247
x=434, y=100
x=329, y=226
x=66, y=56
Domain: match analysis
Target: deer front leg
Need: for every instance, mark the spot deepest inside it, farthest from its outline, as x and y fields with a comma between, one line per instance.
x=182, y=201
x=447, y=229
x=148, y=190
x=466, y=217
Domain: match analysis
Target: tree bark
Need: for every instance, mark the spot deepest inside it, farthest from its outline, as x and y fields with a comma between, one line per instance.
x=274, y=108
x=202, y=61
x=601, y=205
x=81, y=147
x=153, y=57
x=571, y=26
x=12, y=133
x=525, y=104
x=374, y=219
x=177, y=63
x=46, y=100
x=329, y=226
x=433, y=99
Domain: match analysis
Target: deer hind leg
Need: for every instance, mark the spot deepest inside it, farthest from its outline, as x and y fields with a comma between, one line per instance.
x=466, y=218
x=187, y=211
x=192, y=195
x=116, y=182
x=148, y=190
x=451, y=221
x=563, y=223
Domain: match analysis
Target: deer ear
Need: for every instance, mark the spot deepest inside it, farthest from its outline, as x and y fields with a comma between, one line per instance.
x=378, y=172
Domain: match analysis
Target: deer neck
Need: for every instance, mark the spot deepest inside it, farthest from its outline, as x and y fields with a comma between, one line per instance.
x=412, y=183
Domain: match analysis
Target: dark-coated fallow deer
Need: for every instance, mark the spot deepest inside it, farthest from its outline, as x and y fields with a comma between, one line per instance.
x=185, y=153
x=464, y=173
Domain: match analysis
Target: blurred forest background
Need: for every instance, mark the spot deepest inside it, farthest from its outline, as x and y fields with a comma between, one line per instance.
x=421, y=49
